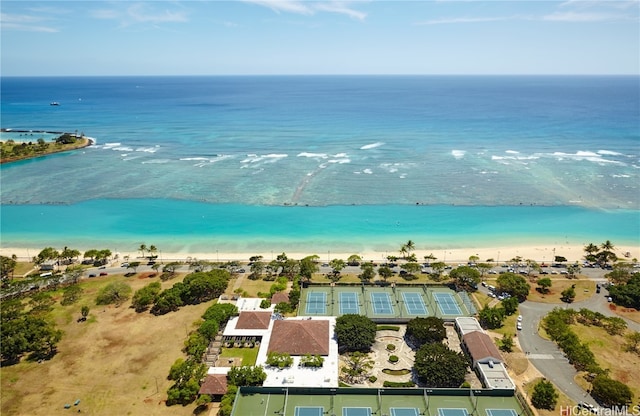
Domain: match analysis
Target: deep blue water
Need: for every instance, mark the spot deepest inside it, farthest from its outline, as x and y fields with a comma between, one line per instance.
x=212, y=160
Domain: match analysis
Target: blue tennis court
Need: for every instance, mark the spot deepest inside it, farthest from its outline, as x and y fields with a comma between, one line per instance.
x=348, y=303
x=452, y=412
x=316, y=303
x=414, y=304
x=309, y=411
x=356, y=411
x=501, y=412
x=448, y=306
x=381, y=303
x=404, y=411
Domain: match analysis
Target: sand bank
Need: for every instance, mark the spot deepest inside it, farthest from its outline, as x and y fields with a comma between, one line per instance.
x=540, y=253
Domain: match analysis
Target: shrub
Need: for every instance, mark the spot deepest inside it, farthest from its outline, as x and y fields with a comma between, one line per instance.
x=399, y=384
x=393, y=359
x=391, y=347
x=373, y=379
x=279, y=360
x=387, y=328
x=115, y=292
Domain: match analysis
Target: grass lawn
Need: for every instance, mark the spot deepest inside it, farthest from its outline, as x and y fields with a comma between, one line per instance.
x=610, y=354
x=585, y=288
x=112, y=362
x=248, y=355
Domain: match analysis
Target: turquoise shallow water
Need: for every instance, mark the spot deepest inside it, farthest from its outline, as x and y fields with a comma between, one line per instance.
x=208, y=163
x=185, y=226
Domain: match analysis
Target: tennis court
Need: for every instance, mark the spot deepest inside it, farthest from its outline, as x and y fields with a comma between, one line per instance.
x=501, y=412
x=414, y=304
x=381, y=303
x=404, y=411
x=316, y=303
x=308, y=411
x=448, y=306
x=348, y=303
x=356, y=411
x=452, y=412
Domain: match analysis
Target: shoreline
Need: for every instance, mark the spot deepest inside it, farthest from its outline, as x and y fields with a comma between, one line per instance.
x=85, y=141
x=541, y=253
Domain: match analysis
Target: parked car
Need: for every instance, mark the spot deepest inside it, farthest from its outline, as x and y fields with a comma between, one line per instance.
x=519, y=326
x=519, y=318
x=103, y=273
x=92, y=275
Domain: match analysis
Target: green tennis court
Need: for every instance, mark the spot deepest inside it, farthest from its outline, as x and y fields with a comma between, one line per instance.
x=356, y=411
x=308, y=411
x=452, y=412
x=348, y=303
x=448, y=306
x=404, y=411
x=316, y=303
x=501, y=412
x=381, y=302
x=414, y=304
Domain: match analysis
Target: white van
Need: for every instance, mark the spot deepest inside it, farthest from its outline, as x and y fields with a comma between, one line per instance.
x=47, y=274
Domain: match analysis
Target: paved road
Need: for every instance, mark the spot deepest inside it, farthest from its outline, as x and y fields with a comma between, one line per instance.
x=545, y=355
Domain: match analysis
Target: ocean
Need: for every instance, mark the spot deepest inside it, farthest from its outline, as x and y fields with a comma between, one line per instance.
x=314, y=163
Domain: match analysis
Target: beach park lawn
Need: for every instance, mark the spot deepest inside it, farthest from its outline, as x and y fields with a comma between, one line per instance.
x=116, y=362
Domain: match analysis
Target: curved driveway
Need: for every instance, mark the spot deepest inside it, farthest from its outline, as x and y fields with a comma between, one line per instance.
x=545, y=355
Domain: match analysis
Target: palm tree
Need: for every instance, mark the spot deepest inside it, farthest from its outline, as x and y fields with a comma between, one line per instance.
x=407, y=248
x=152, y=250
x=142, y=249
x=607, y=245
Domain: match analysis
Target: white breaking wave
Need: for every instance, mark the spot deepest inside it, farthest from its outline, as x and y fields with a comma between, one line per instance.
x=122, y=149
x=148, y=149
x=585, y=155
x=257, y=160
x=609, y=153
x=108, y=145
x=372, y=145
x=367, y=171
x=156, y=161
x=313, y=155
x=458, y=154
x=512, y=151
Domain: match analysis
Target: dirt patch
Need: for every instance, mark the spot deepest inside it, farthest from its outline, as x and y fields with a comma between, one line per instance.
x=114, y=363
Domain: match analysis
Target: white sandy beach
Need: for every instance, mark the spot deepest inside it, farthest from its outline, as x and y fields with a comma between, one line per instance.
x=540, y=253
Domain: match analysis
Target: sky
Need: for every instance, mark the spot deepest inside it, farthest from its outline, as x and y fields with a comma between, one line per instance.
x=269, y=37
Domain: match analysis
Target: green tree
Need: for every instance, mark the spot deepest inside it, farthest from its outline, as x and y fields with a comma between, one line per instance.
x=145, y=296
x=280, y=360
x=84, y=311
x=385, y=272
x=368, y=272
x=41, y=303
x=514, y=285
x=437, y=269
x=7, y=266
x=610, y=393
x=411, y=268
x=355, y=332
x=71, y=294
x=246, y=376
x=438, y=366
x=169, y=300
x=510, y=305
x=354, y=260
x=134, y=266
x=48, y=253
x=466, y=277
x=425, y=330
x=568, y=295
x=357, y=367
x=544, y=284
x=186, y=375
x=633, y=342
x=204, y=286
x=506, y=344
x=142, y=249
x=544, y=395
x=256, y=268
x=492, y=318
x=309, y=266
x=336, y=266
x=114, y=292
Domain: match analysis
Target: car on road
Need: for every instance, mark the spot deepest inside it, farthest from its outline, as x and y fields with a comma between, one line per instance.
x=519, y=318
x=609, y=299
x=103, y=273
x=519, y=326
x=124, y=265
x=92, y=275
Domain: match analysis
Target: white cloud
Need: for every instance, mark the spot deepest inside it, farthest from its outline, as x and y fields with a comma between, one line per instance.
x=25, y=23
x=141, y=13
x=455, y=20
x=310, y=8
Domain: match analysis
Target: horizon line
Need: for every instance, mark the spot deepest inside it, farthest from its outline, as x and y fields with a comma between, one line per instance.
x=332, y=75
